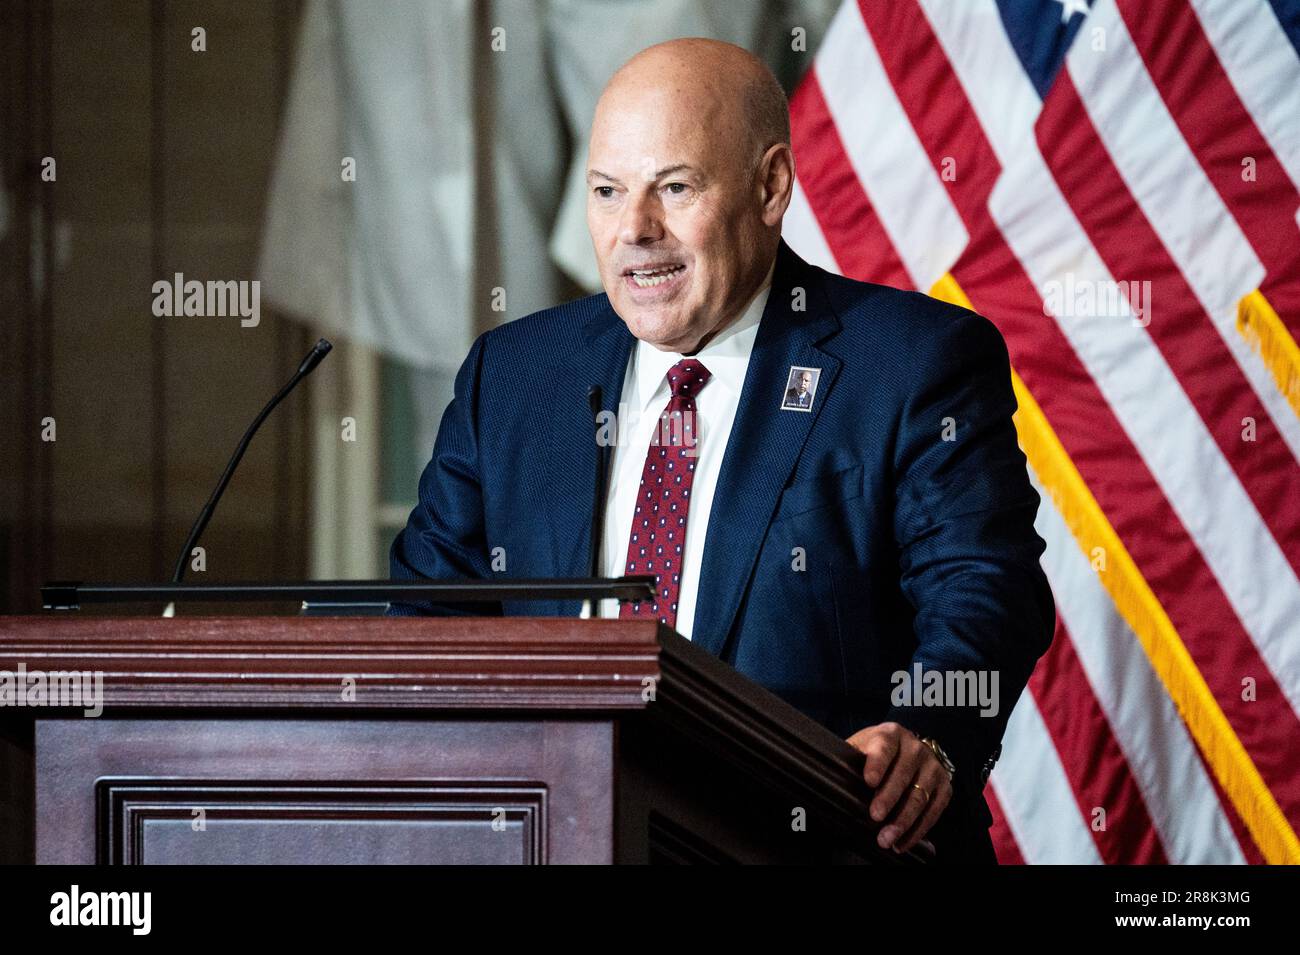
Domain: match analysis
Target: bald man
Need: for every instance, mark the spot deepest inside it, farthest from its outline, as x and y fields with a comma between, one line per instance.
x=867, y=552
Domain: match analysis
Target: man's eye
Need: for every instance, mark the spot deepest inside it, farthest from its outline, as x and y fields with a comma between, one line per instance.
x=604, y=192
x=677, y=188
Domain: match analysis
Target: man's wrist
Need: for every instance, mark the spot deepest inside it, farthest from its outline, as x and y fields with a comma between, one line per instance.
x=944, y=761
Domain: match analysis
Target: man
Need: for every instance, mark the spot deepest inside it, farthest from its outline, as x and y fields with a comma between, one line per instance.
x=800, y=396
x=830, y=554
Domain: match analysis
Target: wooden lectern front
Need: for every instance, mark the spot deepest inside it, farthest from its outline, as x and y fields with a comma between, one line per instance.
x=412, y=740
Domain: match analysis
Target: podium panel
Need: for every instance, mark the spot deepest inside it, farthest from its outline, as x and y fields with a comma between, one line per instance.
x=323, y=791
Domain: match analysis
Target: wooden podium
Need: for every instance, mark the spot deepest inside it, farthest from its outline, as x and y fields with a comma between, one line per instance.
x=413, y=740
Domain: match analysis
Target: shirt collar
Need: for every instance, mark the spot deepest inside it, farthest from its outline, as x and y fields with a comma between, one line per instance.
x=726, y=355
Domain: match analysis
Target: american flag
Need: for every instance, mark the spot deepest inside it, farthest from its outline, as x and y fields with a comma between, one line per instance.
x=1114, y=184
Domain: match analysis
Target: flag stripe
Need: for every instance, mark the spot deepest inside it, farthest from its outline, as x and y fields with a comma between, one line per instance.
x=1193, y=817
x=841, y=207
x=1187, y=685
x=1138, y=384
x=1035, y=794
x=904, y=189
x=1263, y=67
x=1004, y=840
x=1249, y=846
x=801, y=230
x=1150, y=622
x=1207, y=252
x=1241, y=166
x=1093, y=762
x=1239, y=540
x=1192, y=83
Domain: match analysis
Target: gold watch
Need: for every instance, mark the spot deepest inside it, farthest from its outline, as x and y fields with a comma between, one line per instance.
x=944, y=761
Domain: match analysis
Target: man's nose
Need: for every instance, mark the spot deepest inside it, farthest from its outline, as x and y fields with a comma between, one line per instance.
x=641, y=221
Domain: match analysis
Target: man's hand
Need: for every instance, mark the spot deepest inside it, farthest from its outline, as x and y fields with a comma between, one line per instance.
x=897, y=764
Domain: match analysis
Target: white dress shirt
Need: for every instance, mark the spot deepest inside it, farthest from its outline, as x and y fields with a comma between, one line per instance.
x=644, y=398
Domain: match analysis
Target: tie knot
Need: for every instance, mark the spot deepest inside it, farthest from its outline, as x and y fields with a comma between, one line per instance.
x=687, y=377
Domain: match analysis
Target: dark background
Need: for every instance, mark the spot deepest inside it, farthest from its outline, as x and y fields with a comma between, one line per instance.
x=163, y=159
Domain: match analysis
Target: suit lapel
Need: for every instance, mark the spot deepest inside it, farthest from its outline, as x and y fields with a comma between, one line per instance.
x=603, y=361
x=764, y=445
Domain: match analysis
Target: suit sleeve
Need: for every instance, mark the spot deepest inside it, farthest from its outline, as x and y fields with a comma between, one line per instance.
x=445, y=536
x=969, y=554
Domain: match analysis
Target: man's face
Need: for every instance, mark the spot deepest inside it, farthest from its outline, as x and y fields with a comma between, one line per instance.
x=675, y=214
x=805, y=381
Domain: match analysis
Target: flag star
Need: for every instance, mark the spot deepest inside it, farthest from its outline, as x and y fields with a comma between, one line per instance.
x=1070, y=7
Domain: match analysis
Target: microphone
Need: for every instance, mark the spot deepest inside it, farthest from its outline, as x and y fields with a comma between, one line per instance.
x=305, y=368
x=595, y=402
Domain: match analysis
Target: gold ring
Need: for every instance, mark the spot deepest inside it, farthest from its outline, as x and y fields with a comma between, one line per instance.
x=923, y=790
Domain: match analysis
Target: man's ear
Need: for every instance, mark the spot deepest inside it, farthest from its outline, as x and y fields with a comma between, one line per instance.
x=776, y=179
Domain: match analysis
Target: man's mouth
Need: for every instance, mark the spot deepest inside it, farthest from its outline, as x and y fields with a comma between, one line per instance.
x=653, y=275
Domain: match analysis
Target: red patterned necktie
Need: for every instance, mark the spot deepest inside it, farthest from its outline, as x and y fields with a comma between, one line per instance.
x=658, y=541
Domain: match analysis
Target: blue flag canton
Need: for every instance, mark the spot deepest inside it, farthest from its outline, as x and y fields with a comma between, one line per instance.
x=1041, y=32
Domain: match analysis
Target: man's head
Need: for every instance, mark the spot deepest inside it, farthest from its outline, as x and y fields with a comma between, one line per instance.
x=689, y=172
x=805, y=381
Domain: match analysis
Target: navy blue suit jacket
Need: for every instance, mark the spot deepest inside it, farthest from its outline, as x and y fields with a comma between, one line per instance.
x=903, y=490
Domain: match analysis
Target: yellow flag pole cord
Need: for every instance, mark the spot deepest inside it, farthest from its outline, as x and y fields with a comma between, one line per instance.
x=1259, y=325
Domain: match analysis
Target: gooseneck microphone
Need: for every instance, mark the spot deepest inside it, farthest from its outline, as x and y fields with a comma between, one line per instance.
x=305, y=368
x=595, y=401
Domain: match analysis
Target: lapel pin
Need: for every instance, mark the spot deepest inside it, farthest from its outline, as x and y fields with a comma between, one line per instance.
x=800, y=388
